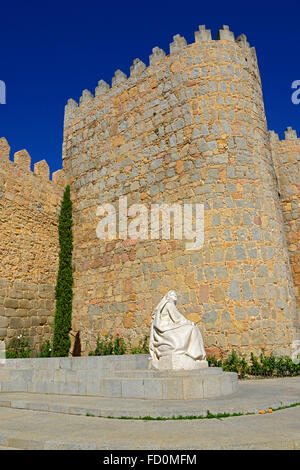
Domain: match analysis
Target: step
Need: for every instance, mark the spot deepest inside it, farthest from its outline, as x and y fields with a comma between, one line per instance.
x=125, y=361
x=170, y=387
x=147, y=373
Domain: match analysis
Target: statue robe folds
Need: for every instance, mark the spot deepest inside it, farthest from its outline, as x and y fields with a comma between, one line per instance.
x=171, y=333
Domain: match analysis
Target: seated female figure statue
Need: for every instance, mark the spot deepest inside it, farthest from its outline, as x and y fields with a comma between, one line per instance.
x=175, y=342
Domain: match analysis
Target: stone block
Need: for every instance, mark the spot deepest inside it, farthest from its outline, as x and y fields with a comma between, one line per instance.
x=65, y=363
x=192, y=388
x=172, y=389
x=141, y=361
x=3, y=333
x=234, y=290
x=16, y=323
x=70, y=388
x=133, y=388
x=71, y=376
x=203, y=294
x=177, y=362
x=57, y=407
x=109, y=387
x=38, y=406
x=59, y=375
x=211, y=387
x=3, y=322
x=153, y=389
x=229, y=383
x=5, y=375
x=20, y=404
x=14, y=386
x=209, y=316
x=11, y=303
x=234, y=339
x=219, y=293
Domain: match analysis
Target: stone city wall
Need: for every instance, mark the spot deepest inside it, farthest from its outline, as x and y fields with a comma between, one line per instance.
x=26, y=309
x=29, y=205
x=190, y=127
x=286, y=156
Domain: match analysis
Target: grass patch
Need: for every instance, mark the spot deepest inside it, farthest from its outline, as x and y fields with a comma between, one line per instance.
x=208, y=415
x=293, y=405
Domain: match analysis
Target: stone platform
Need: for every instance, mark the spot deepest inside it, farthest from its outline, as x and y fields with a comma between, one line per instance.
x=125, y=376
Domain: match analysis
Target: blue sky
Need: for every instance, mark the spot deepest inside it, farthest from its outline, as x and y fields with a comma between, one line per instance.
x=51, y=51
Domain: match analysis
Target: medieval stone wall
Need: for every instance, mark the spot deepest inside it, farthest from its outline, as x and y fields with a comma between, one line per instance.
x=29, y=205
x=286, y=156
x=191, y=127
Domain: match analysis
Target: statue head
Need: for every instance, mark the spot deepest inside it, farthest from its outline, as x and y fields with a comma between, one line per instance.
x=171, y=295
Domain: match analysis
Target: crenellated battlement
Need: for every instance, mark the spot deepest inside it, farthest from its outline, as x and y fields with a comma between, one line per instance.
x=22, y=161
x=286, y=156
x=139, y=70
x=289, y=134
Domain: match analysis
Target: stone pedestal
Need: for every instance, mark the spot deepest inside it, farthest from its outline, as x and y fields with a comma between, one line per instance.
x=177, y=362
x=126, y=376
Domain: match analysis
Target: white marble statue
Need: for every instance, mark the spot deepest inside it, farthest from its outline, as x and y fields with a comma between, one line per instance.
x=175, y=342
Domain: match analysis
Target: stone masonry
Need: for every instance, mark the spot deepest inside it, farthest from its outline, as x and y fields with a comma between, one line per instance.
x=29, y=205
x=189, y=128
x=286, y=157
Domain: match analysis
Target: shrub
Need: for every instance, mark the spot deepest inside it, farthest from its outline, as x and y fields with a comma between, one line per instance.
x=262, y=366
x=214, y=362
x=142, y=347
x=46, y=349
x=117, y=345
x=234, y=363
x=108, y=346
x=255, y=367
x=18, y=348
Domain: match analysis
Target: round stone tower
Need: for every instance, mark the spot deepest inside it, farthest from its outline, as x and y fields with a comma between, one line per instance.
x=188, y=129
